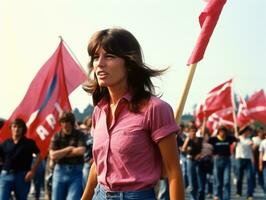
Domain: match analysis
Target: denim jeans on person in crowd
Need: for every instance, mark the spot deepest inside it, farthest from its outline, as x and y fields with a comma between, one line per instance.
x=222, y=173
x=38, y=179
x=85, y=172
x=192, y=179
x=183, y=162
x=67, y=182
x=101, y=194
x=163, y=193
x=244, y=165
x=201, y=179
x=10, y=181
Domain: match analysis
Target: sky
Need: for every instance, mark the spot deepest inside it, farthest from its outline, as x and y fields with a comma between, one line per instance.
x=167, y=30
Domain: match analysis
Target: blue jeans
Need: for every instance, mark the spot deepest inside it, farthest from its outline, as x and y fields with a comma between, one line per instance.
x=163, y=193
x=183, y=159
x=38, y=179
x=67, y=182
x=192, y=179
x=222, y=173
x=201, y=179
x=13, y=182
x=85, y=172
x=244, y=165
x=101, y=194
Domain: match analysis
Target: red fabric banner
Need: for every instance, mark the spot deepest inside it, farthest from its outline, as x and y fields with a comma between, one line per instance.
x=208, y=20
x=242, y=114
x=255, y=109
x=46, y=97
x=218, y=98
x=222, y=117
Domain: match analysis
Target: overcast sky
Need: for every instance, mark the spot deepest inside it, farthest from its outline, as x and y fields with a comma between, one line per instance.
x=166, y=29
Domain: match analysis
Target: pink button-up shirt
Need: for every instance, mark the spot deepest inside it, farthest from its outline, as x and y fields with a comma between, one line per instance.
x=126, y=155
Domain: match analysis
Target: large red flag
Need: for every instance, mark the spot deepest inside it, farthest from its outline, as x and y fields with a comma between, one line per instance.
x=256, y=107
x=218, y=98
x=207, y=19
x=46, y=97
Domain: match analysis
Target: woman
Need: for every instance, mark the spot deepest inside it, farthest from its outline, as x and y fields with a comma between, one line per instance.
x=134, y=132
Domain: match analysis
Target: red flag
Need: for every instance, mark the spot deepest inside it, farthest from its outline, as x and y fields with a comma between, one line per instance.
x=46, y=97
x=198, y=115
x=207, y=19
x=255, y=108
x=217, y=99
x=222, y=117
x=242, y=114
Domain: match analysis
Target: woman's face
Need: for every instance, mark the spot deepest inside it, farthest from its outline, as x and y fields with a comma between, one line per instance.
x=109, y=69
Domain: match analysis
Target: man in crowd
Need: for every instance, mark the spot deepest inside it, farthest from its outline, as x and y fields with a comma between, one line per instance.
x=66, y=151
x=18, y=169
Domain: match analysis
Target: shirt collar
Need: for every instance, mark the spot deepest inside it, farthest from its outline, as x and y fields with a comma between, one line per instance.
x=104, y=101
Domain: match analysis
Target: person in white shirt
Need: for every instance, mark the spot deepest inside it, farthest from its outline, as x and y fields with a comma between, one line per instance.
x=244, y=159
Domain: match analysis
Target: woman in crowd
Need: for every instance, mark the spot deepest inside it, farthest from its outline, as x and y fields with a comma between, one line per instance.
x=134, y=132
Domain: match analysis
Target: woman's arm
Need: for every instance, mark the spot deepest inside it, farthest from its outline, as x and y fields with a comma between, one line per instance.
x=91, y=184
x=168, y=149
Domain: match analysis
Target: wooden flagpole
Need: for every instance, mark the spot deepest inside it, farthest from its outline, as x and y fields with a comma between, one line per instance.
x=184, y=94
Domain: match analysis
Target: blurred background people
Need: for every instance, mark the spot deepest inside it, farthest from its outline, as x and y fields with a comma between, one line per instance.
x=17, y=155
x=66, y=151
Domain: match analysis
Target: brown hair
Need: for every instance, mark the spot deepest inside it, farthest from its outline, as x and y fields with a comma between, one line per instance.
x=20, y=123
x=67, y=117
x=123, y=44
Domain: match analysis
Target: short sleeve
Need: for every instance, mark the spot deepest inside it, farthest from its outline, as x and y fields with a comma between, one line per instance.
x=54, y=145
x=160, y=119
x=81, y=139
x=35, y=148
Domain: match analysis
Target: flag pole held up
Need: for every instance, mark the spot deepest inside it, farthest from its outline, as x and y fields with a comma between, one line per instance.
x=208, y=20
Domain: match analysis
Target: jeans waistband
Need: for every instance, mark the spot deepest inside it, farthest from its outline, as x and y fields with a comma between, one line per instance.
x=149, y=192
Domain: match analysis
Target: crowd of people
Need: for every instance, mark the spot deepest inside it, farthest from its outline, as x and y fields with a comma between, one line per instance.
x=62, y=175
x=210, y=160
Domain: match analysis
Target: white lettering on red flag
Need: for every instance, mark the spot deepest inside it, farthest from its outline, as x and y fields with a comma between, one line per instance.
x=46, y=97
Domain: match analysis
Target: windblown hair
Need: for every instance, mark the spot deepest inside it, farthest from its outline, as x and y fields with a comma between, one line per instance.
x=123, y=44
